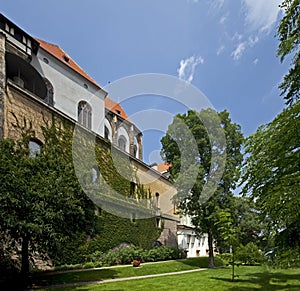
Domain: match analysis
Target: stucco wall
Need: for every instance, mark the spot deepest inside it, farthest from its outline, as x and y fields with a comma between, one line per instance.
x=69, y=90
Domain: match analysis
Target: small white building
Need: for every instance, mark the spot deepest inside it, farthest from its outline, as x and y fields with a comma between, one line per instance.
x=195, y=245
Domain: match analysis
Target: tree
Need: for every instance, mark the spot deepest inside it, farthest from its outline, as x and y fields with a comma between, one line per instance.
x=271, y=174
x=248, y=226
x=204, y=150
x=289, y=37
x=41, y=202
x=226, y=227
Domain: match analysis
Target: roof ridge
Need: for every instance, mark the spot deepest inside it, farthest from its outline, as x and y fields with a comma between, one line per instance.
x=47, y=42
x=56, y=51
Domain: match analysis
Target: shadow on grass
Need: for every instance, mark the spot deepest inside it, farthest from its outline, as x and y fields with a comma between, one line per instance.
x=201, y=262
x=265, y=280
x=73, y=277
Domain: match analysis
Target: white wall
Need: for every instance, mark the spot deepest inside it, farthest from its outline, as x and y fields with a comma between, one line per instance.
x=187, y=239
x=69, y=89
x=196, y=246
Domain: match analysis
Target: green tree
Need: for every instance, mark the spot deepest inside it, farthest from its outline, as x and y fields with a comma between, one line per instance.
x=271, y=174
x=200, y=146
x=289, y=37
x=248, y=226
x=41, y=202
x=226, y=227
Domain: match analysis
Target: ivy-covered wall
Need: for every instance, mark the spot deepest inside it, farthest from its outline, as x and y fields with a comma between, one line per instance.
x=110, y=230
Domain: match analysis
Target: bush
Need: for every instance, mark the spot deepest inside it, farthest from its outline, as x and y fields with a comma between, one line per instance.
x=225, y=257
x=126, y=255
x=249, y=254
x=289, y=258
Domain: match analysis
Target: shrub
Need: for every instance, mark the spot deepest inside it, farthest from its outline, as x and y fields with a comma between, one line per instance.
x=249, y=254
x=225, y=257
x=289, y=258
x=120, y=256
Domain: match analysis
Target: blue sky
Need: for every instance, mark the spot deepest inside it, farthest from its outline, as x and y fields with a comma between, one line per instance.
x=226, y=48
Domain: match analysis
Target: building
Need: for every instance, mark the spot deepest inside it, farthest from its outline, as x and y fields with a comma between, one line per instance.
x=38, y=79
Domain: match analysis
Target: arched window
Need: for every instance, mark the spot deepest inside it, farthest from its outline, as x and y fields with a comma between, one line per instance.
x=122, y=143
x=95, y=174
x=85, y=114
x=135, y=151
x=50, y=92
x=34, y=148
x=106, y=132
x=157, y=198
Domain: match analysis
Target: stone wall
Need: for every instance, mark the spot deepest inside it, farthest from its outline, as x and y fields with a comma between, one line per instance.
x=19, y=104
x=2, y=81
x=168, y=236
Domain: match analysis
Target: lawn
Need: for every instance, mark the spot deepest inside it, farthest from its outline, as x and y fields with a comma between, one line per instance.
x=121, y=272
x=250, y=278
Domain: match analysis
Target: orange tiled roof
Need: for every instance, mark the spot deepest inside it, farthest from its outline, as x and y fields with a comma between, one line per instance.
x=115, y=108
x=163, y=167
x=58, y=53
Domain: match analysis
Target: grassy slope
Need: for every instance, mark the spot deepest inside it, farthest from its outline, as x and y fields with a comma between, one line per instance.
x=122, y=272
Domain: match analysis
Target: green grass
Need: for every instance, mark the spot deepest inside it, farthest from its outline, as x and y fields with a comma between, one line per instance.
x=121, y=272
x=251, y=278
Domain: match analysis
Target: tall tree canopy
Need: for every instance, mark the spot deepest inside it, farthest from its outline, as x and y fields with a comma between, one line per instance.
x=271, y=173
x=41, y=201
x=289, y=37
x=202, y=146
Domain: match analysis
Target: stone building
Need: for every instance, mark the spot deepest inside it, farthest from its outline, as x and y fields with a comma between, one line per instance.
x=39, y=79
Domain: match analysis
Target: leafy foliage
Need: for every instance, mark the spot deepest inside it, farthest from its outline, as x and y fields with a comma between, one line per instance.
x=289, y=37
x=41, y=201
x=217, y=141
x=271, y=171
x=249, y=254
x=271, y=175
x=43, y=204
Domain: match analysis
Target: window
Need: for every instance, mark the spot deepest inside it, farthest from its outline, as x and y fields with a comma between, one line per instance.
x=98, y=210
x=85, y=114
x=135, y=151
x=95, y=174
x=122, y=143
x=157, y=197
x=50, y=92
x=158, y=222
x=34, y=148
x=132, y=188
x=133, y=217
x=106, y=132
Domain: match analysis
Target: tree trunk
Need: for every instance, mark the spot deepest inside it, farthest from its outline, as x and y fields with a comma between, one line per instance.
x=25, y=256
x=211, y=250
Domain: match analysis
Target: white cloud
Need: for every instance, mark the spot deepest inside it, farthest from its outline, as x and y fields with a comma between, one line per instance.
x=252, y=40
x=217, y=3
x=223, y=19
x=242, y=46
x=238, y=52
x=220, y=50
x=261, y=15
x=255, y=61
x=237, y=37
x=187, y=68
